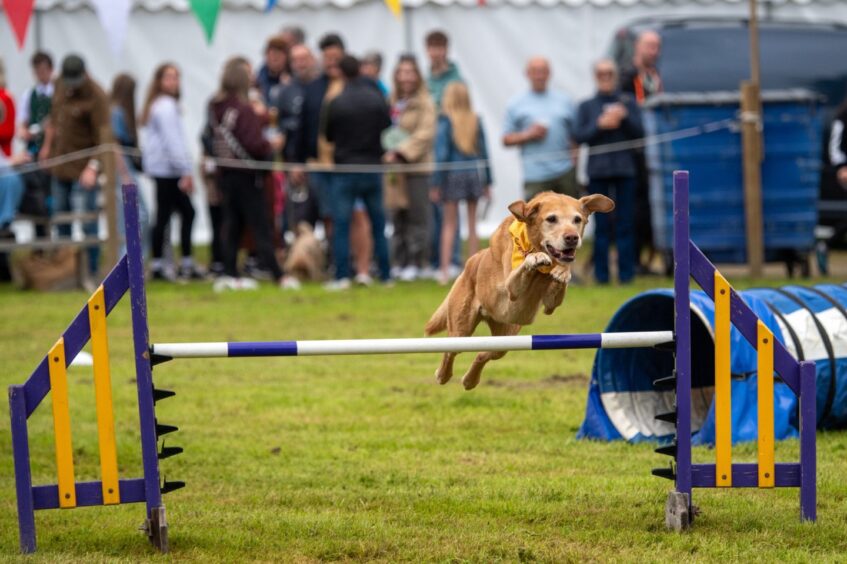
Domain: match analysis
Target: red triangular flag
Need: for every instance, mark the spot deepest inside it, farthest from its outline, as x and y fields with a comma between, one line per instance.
x=19, y=13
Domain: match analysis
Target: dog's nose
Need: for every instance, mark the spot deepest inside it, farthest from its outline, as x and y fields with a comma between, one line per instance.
x=571, y=240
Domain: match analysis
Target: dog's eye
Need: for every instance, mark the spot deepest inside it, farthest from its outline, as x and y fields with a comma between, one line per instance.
x=552, y=219
x=577, y=220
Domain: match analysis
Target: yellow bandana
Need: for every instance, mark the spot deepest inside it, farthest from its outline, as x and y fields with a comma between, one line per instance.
x=521, y=246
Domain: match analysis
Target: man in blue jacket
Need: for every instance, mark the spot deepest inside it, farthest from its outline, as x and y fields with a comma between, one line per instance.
x=607, y=123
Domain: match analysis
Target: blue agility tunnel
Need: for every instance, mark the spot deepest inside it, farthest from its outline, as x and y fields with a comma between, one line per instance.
x=623, y=398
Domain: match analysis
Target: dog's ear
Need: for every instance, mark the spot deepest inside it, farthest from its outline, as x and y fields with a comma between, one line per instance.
x=518, y=210
x=523, y=211
x=597, y=203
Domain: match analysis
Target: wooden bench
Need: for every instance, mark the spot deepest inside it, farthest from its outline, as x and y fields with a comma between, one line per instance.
x=51, y=242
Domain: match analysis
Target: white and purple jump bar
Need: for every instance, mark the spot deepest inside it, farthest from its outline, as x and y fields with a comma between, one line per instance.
x=422, y=345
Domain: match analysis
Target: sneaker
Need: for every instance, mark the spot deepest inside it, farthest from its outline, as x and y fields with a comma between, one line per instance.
x=363, y=280
x=395, y=272
x=246, y=284
x=338, y=285
x=428, y=273
x=260, y=274
x=191, y=273
x=163, y=274
x=216, y=269
x=225, y=283
x=454, y=270
x=443, y=278
x=289, y=283
x=410, y=274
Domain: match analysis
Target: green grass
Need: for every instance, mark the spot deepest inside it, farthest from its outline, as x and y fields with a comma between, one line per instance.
x=366, y=458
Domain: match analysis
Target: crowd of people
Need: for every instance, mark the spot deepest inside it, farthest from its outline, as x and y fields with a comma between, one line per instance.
x=310, y=139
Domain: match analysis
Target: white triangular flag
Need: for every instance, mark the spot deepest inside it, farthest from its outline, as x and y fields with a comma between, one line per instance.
x=114, y=17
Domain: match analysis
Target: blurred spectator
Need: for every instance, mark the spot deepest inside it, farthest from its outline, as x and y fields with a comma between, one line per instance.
x=214, y=199
x=34, y=104
x=7, y=119
x=33, y=111
x=11, y=192
x=442, y=71
x=122, y=98
x=354, y=124
x=79, y=120
x=611, y=117
x=287, y=99
x=237, y=135
x=300, y=204
x=167, y=161
x=316, y=149
x=642, y=80
x=371, y=67
x=293, y=35
x=274, y=71
x=410, y=140
x=540, y=122
x=460, y=138
x=838, y=144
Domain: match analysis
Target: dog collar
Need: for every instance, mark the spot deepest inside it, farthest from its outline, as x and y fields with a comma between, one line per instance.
x=521, y=246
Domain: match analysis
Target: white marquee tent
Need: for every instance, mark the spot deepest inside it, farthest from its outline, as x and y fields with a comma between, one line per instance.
x=490, y=44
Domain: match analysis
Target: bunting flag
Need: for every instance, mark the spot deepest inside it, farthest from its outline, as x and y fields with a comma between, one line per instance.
x=396, y=8
x=270, y=6
x=114, y=17
x=207, y=13
x=19, y=13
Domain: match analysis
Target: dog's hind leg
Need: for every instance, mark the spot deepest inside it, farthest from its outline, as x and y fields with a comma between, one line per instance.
x=462, y=319
x=472, y=376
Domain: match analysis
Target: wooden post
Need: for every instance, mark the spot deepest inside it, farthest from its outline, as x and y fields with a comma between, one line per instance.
x=110, y=205
x=753, y=153
x=752, y=177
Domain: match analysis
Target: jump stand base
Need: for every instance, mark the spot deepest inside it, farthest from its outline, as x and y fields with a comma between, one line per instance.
x=157, y=529
x=677, y=513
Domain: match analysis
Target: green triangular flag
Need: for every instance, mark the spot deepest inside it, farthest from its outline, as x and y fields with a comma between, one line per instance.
x=207, y=12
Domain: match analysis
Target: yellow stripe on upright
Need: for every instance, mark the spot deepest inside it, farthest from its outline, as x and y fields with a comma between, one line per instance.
x=62, y=424
x=723, y=386
x=766, y=432
x=103, y=396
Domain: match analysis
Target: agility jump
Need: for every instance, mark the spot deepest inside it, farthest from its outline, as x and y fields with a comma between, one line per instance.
x=128, y=276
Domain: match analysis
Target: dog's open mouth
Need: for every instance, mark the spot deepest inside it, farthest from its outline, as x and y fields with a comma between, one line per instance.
x=565, y=255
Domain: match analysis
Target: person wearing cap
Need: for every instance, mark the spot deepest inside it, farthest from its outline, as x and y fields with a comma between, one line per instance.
x=79, y=119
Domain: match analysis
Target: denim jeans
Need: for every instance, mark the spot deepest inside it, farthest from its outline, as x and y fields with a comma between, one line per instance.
x=621, y=221
x=343, y=191
x=69, y=195
x=11, y=192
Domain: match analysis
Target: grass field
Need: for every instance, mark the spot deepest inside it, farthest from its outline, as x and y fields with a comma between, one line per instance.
x=366, y=458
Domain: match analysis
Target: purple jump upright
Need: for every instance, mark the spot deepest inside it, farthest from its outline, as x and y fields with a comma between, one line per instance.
x=50, y=376
x=690, y=262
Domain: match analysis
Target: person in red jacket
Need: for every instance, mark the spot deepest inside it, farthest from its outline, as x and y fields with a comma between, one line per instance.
x=7, y=115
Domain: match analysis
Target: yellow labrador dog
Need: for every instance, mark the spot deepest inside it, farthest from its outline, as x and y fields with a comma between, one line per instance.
x=527, y=265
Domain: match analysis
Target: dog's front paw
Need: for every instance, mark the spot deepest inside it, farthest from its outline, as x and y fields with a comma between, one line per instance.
x=534, y=261
x=561, y=274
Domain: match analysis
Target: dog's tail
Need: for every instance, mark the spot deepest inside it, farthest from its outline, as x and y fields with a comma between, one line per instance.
x=438, y=322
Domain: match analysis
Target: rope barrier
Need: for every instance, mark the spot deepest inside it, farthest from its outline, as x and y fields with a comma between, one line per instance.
x=407, y=168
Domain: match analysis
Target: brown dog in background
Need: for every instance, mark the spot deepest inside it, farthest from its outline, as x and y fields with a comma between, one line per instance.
x=527, y=265
x=306, y=258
